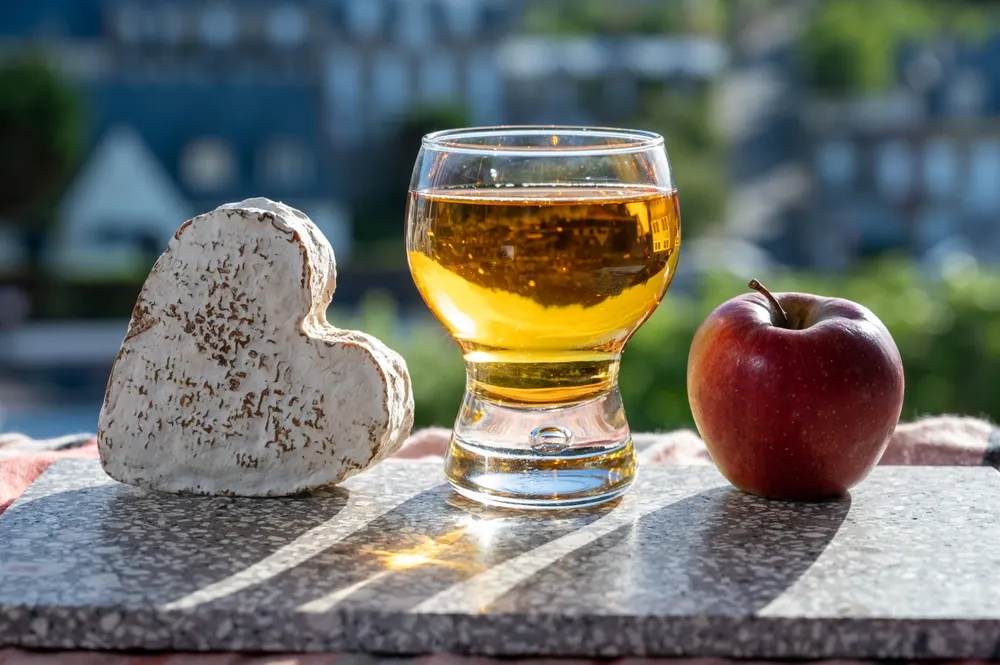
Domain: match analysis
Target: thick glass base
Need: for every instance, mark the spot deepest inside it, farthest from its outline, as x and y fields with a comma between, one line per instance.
x=569, y=456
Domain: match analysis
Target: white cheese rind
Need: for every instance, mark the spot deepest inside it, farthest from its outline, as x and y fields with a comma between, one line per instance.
x=230, y=380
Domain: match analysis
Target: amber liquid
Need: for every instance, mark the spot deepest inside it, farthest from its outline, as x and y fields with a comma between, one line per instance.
x=542, y=286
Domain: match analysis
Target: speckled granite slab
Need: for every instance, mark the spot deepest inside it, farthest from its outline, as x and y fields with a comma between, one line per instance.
x=909, y=566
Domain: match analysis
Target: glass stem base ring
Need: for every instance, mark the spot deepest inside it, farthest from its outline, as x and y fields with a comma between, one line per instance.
x=560, y=457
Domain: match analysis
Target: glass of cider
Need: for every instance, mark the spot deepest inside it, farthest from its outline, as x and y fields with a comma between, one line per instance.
x=542, y=250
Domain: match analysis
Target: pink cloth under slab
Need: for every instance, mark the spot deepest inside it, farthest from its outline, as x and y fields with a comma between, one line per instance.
x=937, y=441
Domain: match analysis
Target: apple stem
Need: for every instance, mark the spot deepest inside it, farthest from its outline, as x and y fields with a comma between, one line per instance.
x=776, y=306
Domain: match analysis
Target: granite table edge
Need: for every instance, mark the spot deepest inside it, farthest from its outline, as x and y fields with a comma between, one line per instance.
x=549, y=635
x=205, y=628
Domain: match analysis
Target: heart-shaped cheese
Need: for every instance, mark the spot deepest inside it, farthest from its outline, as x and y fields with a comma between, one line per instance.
x=231, y=381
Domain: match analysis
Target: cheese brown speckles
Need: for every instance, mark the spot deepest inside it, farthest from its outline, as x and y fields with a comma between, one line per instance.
x=230, y=380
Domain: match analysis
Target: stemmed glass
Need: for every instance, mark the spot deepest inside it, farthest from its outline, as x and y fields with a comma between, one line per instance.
x=542, y=250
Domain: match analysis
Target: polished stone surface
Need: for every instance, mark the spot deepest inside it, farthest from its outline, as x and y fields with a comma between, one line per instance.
x=393, y=562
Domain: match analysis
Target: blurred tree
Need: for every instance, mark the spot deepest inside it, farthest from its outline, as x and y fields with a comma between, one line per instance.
x=40, y=137
x=850, y=45
x=703, y=17
x=423, y=121
x=947, y=328
x=378, y=237
x=696, y=150
x=599, y=17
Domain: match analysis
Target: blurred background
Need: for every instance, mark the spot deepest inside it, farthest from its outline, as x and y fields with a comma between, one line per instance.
x=844, y=147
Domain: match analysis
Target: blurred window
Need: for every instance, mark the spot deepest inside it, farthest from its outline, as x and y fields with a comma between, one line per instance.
x=286, y=25
x=497, y=18
x=655, y=57
x=894, y=169
x=966, y=94
x=527, y=58
x=413, y=25
x=940, y=167
x=837, y=163
x=208, y=164
x=462, y=16
x=485, y=90
x=880, y=230
x=344, y=92
x=364, y=17
x=620, y=95
x=285, y=162
x=584, y=58
x=983, y=194
x=923, y=70
x=439, y=78
x=151, y=26
x=129, y=24
x=935, y=225
x=170, y=24
x=218, y=26
x=114, y=236
x=391, y=84
x=703, y=58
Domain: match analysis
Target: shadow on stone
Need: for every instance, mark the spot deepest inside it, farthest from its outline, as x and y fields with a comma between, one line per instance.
x=143, y=547
x=718, y=552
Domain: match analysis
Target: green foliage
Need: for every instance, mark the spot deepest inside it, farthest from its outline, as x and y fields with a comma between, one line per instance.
x=600, y=17
x=424, y=120
x=83, y=299
x=435, y=361
x=383, y=214
x=948, y=333
x=40, y=134
x=850, y=45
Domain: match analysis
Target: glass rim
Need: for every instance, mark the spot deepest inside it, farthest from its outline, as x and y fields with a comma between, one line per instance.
x=456, y=140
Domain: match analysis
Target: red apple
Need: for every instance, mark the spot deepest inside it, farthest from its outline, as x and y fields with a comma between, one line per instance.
x=795, y=395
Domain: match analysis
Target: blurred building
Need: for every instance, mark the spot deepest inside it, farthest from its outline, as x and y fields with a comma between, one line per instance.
x=387, y=57
x=591, y=80
x=385, y=60
x=303, y=100
x=190, y=105
x=193, y=103
x=166, y=151
x=916, y=169
x=760, y=97
x=199, y=102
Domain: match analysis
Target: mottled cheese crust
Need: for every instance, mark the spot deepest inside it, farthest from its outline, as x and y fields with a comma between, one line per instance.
x=231, y=381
